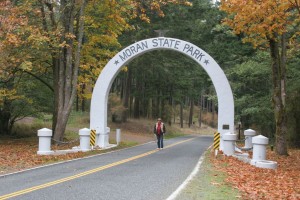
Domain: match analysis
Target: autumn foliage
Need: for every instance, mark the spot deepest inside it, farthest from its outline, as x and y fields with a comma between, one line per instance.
x=17, y=155
x=261, y=20
x=63, y=44
x=258, y=183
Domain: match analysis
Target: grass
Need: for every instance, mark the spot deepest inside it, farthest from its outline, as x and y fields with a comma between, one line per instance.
x=173, y=135
x=208, y=184
x=27, y=130
x=79, y=120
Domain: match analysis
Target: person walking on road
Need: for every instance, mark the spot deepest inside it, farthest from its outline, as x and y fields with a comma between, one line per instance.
x=159, y=131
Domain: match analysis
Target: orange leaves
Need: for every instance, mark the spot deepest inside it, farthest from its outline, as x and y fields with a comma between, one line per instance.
x=258, y=183
x=12, y=22
x=259, y=20
x=140, y=8
x=12, y=39
x=21, y=154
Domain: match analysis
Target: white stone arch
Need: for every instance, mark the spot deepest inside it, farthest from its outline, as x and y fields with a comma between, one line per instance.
x=98, y=112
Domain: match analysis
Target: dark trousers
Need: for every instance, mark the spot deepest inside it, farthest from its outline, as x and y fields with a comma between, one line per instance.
x=160, y=140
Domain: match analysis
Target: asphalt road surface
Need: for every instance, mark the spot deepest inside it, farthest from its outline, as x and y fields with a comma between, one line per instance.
x=137, y=173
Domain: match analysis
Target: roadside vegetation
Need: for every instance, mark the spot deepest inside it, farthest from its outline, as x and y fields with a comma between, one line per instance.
x=209, y=183
x=225, y=178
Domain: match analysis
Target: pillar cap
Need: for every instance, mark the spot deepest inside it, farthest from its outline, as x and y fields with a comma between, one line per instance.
x=45, y=132
x=260, y=139
x=84, y=131
x=229, y=136
x=249, y=132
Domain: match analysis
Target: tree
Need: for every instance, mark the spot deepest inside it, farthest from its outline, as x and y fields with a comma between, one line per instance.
x=251, y=83
x=56, y=30
x=268, y=24
x=16, y=63
x=293, y=106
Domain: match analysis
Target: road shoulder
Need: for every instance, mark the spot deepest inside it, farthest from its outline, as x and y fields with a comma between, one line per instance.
x=208, y=183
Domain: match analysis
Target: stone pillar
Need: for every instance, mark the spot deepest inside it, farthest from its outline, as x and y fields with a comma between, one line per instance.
x=259, y=148
x=118, y=136
x=44, y=141
x=84, y=135
x=229, y=143
x=249, y=134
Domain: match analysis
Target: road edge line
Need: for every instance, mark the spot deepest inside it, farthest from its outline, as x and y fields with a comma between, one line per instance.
x=190, y=177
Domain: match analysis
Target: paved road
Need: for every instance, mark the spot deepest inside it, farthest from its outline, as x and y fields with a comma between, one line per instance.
x=136, y=173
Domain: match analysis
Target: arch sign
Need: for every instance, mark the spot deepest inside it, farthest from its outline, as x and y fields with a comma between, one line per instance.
x=98, y=113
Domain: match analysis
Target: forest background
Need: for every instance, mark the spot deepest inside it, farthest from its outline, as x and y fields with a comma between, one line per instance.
x=51, y=53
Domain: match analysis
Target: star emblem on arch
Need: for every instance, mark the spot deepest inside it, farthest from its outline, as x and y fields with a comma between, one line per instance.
x=116, y=62
x=206, y=62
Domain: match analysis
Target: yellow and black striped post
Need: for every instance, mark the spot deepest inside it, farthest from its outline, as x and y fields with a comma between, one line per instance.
x=216, y=141
x=93, y=138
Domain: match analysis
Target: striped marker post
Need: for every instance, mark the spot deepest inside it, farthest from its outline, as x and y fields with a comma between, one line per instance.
x=216, y=142
x=93, y=138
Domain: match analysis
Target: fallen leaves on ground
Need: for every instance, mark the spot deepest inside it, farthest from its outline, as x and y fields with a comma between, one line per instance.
x=258, y=183
x=17, y=155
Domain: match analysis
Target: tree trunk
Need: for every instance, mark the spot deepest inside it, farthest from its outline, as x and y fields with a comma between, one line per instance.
x=137, y=99
x=5, y=115
x=156, y=106
x=126, y=95
x=150, y=107
x=77, y=102
x=200, y=111
x=174, y=111
x=66, y=64
x=191, y=112
x=136, y=108
x=296, y=130
x=213, y=113
x=181, y=115
x=83, y=98
x=278, y=72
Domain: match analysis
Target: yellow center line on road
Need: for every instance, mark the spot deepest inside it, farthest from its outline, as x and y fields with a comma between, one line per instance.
x=28, y=190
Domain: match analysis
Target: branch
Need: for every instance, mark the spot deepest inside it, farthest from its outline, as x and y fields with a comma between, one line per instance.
x=38, y=78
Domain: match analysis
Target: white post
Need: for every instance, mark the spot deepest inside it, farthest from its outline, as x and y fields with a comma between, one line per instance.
x=118, y=136
x=44, y=141
x=106, y=139
x=229, y=143
x=85, y=139
x=259, y=148
x=249, y=134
